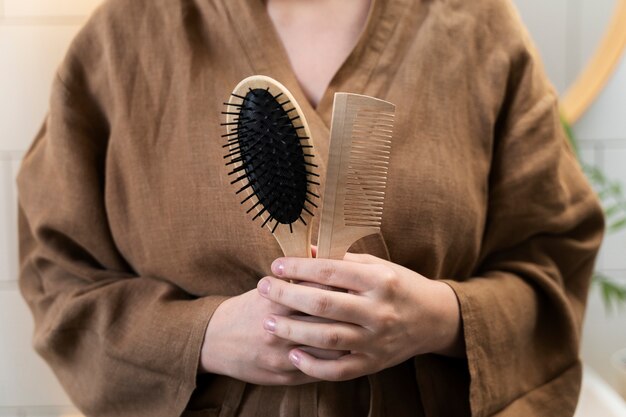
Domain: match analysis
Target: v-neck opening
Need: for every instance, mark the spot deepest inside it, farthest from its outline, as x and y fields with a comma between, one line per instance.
x=360, y=41
x=268, y=55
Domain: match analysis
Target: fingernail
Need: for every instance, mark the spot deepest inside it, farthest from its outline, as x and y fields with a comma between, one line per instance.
x=295, y=358
x=278, y=268
x=264, y=286
x=270, y=324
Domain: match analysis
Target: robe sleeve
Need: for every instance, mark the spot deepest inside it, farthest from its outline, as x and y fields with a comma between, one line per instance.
x=522, y=310
x=120, y=344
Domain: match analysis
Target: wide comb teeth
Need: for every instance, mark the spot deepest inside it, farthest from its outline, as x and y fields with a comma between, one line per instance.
x=368, y=167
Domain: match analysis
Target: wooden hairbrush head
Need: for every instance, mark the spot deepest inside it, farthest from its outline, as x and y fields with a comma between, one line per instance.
x=270, y=155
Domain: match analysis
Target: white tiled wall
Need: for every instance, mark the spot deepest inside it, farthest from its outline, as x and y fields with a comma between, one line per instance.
x=539, y=15
x=603, y=129
x=606, y=120
x=592, y=15
x=33, y=37
x=566, y=32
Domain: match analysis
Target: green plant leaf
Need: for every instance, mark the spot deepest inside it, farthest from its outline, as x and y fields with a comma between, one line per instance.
x=612, y=210
x=606, y=295
x=617, y=225
x=570, y=136
x=613, y=294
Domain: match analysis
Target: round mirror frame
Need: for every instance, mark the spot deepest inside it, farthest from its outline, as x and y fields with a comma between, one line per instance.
x=593, y=79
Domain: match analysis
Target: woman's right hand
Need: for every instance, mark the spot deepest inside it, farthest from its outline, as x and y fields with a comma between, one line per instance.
x=237, y=345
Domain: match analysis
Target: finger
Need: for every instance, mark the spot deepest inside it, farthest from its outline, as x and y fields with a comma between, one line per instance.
x=278, y=309
x=316, y=285
x=323, y=353
x=363, y=258
x=311, y=319
x=345, y=368
x=352, y=276
x=331, y=336
x=275, y=359
x=281, y=310
x=333, y=305
x=295, y=377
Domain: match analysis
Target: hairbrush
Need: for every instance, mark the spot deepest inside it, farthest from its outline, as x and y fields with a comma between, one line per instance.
x=356, y=177
x=270, y=156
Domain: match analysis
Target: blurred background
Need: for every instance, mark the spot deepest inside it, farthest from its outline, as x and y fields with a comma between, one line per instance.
x=34, y=35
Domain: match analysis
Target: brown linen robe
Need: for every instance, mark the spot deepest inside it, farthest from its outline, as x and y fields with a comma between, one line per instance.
x=131, y=237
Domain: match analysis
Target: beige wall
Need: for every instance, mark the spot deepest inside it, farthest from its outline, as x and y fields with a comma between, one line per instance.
x=33, y=37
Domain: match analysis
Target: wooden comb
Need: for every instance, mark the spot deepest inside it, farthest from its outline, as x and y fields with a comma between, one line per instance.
x=356, y=176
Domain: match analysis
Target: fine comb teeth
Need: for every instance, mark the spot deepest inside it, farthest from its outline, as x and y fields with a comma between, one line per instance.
x=367, y=168
x=354, y=195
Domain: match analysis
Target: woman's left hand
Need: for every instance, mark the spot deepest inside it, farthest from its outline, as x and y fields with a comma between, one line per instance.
x=385, y=314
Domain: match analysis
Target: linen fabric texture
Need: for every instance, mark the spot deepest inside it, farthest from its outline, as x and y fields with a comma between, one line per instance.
x=131, y=236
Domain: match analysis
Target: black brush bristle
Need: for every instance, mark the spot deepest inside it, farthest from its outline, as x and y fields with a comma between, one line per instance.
x=271, y=153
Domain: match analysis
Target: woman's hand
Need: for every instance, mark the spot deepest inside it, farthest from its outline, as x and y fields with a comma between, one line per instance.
x=386, y=315
x=236, y=345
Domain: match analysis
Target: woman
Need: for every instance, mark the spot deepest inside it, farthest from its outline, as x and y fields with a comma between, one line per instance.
x=153, y=295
